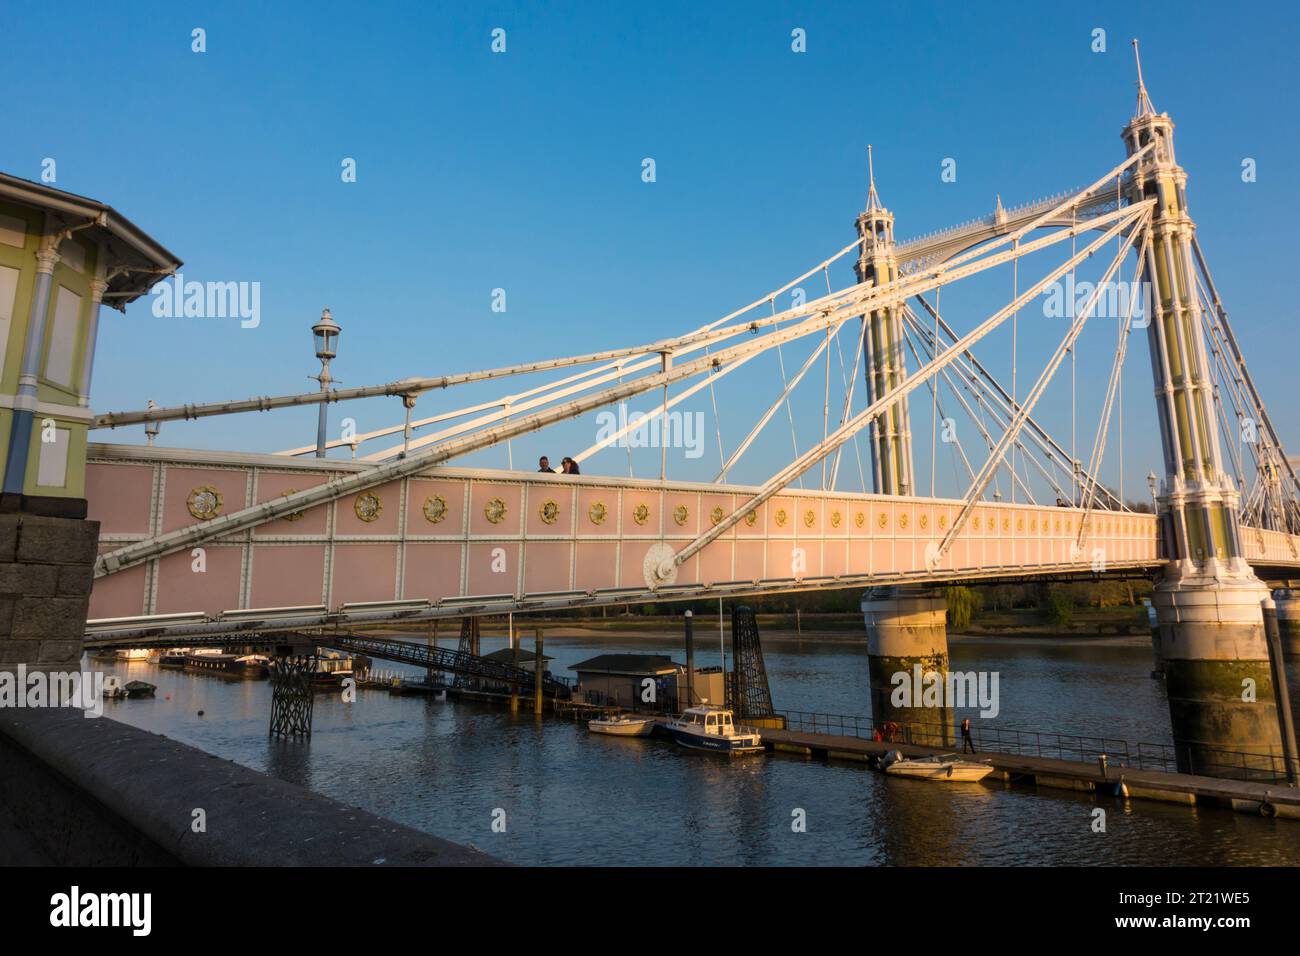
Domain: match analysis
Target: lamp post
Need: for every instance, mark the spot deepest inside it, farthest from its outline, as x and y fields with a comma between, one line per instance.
x=151, y=429
x=326, y=333
x=1151, y=483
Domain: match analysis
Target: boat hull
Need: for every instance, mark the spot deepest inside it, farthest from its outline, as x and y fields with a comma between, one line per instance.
x=632, y=728
x=943, y=773
x=716, y=743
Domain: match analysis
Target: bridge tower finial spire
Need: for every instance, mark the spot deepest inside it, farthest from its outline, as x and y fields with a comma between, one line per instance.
x=873, y=198
x=1144, y=105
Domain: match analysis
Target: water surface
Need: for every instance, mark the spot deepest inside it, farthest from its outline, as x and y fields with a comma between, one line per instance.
x=572, y=798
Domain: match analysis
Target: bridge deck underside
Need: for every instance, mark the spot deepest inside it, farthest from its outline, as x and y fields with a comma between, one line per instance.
x=456, y=537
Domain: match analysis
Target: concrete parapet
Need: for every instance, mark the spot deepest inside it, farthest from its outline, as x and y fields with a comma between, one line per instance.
x=96, y=792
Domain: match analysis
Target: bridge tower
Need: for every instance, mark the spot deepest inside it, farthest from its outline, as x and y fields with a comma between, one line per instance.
x=891, y=434
x=906, y=626
x=1208, y=599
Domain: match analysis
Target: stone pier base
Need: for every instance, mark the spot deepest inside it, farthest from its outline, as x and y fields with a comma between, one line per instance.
x=1157, y=665
x=1222, y=707
x=46, y=570
x=907, y=628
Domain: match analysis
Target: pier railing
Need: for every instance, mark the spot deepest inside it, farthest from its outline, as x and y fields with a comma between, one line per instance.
x=1169, y=758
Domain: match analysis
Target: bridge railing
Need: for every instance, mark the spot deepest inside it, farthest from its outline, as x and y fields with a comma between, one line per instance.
x=1142, y=755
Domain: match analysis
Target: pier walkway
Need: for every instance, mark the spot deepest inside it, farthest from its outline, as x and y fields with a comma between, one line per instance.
x=1270, y=799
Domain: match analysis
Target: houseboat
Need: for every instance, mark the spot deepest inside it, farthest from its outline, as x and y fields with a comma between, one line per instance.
x=712, y=728
x=174, y=658
x=331, y=670
x=213, y=661
x=254, y=665
x=121, y=654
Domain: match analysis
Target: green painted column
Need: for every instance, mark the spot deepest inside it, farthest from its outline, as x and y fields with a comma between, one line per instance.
x=891, y=433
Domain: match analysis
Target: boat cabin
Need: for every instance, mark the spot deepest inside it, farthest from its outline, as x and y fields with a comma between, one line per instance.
x=710, y=720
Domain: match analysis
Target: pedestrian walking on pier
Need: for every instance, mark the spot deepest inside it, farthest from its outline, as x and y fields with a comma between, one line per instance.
x=965, y=736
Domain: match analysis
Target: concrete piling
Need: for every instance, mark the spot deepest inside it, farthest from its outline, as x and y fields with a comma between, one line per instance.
x=906, y=629
x=539, y=669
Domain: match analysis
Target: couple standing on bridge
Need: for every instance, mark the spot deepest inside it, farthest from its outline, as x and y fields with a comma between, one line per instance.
x=567, y=466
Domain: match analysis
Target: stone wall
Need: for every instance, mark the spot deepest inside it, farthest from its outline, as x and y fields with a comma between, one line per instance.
x=46, y=571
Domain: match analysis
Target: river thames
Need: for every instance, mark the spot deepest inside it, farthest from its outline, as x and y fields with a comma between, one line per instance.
x=448, y=767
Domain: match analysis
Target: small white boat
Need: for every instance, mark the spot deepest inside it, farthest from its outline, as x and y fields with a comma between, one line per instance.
x=114, y=689
x=711, y=728
x=623, y=725
x=946, y=768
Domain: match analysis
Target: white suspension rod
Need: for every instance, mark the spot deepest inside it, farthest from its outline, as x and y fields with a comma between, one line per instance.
x=841, y=435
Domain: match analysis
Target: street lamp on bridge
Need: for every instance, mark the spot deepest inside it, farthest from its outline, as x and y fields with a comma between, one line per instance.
x=1151, y=483
x=326, y=333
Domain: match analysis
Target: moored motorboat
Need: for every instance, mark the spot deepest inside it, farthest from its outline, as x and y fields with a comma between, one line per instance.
x=174, y=658
x=622, y=725
x=946, y=768
x=713, y=729
x=114, y=689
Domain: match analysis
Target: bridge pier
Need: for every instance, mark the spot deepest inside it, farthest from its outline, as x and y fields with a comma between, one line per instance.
x=1153, y=621
x=907, y=630
x=1288, y=623
x=1222, y=702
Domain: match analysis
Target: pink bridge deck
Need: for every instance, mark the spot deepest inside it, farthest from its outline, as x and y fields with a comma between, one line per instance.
x=458, y=533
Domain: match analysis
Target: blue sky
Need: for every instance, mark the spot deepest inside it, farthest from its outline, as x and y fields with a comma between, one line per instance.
x=522, y=171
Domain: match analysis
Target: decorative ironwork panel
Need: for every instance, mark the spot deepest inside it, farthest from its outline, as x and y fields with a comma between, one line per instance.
x=291, y=696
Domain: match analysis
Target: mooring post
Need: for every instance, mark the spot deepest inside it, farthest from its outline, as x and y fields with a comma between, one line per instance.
x=538, y=669
x=432, y=641
x=690, y=660
x=1281, y=693
x=514, y=662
